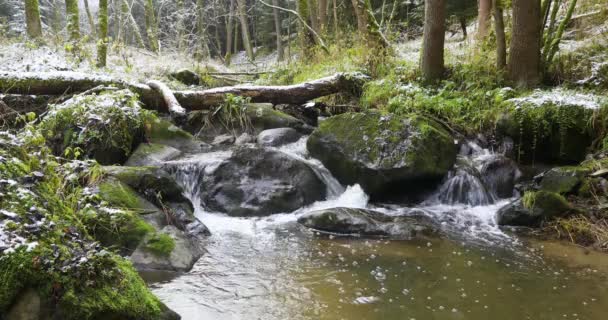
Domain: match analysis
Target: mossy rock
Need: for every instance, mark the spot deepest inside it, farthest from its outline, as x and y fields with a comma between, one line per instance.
x=383, y=153
x=534, y=208
x=148, y=181
x=161, y=131
x=187, y=77
x=564, y=180
x=264, y=117
x=104, y=127
x=547, y=133
x=152, y=154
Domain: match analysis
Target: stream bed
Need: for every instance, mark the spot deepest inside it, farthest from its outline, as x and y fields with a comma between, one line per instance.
x=272, y=268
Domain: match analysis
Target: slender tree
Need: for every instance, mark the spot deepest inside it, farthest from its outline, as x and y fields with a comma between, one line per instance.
x=431, y=62
x=229, y=32
x=203, y=47
x=524, y=55
x=277, y=26
x=151, y=26
x=89, y=17
x=322, y=15
x=483, y=18
x=367, y=24
x=242, y=12
x=32, y=19
x=102, y=43
x=501, y=42
x=72, y=12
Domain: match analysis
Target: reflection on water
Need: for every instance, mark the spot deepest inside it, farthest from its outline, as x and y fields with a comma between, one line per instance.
x=280, y=272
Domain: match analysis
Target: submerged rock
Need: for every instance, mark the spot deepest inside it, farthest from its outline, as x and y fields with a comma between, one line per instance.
x=534, y=208
x=383, y=153
x=278, y=137
x=259, y=182
x=362, y=222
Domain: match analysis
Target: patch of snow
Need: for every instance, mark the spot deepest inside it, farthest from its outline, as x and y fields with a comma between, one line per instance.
x=561, y=97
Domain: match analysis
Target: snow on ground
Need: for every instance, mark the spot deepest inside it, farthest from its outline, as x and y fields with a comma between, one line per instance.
x=562, y=97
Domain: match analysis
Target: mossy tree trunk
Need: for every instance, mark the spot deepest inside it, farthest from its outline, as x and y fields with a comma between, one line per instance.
x=134, y=27
x=151, y=26
x=229, y=33
x=242, y=12
x=432, y=60
x=73, y=18
x=32, y=19
x=102, y=43
x=524, y=56
x=501, y=42
x=367, y=24
x=278, y=30
x=304, y=35
x=322, y=16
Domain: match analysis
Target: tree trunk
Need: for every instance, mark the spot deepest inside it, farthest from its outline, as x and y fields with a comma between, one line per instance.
x=203, y=47
x=361, y=19
x=173, y=106
x=229, y=33
x=367, y=24
x=102, y=44
x=242, y=8
x=524, y=60
x=32, y=19
x=463, y=25
x=312, y=13
x=322, y=16
x=60, y=83
x=151, y=26
x=56, y=17
x=432, y=67
x=133, y=23
x=501, y=42
x=181, y=28
x=483, y=18
x=336, y=25
x=277, y=27
x=71, y=9
x=304, y=35
x=90, y=18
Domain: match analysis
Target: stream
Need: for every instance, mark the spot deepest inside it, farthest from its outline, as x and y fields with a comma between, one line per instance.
x=270, y=268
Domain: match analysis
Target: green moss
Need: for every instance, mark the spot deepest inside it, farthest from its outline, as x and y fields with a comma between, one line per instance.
x=160, y=130
x=160, y=244
x=546, y=204
x=119, y=194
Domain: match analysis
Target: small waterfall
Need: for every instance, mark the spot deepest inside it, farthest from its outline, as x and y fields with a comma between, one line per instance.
x=464, y=186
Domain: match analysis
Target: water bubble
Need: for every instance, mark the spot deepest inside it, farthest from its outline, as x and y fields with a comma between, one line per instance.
x=405, y=292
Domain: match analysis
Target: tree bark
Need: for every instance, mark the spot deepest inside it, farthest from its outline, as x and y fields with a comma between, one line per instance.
x=73, y=18
x=151, y=26
x=32, y=19
x=483, y=18
x=242, y=11
x=336, y=25
x=173, y=106
x=524, y=60
x=102, y=44
x=501, y=42
x=312, y=13
x=322, y=16
x=432, y=60
x=203, y=47
x=229, y=33
x=367, y=24
x=67, y=82
x=133, y=23
x=278, y=29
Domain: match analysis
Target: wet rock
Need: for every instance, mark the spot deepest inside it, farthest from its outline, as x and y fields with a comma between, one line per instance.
x=278, y=137
x=264, y=117
x=243, y=139
x=534, y=208
x=185, y=252
x=222, y=140
x=163, y=132
x=152, y=154
x=149, y=181
x=564, y=180
x=309, y=113
x=362, y=222
x=27, y=306
x=464, y=186
x=259, y=182
x=384, y=153
x=500, y=175
x=187, y=77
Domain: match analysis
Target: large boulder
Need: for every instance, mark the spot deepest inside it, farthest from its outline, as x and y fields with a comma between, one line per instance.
x=368, y=223
x=278, y=137
x=383, y=153
x=104, y=127
x=564, y=180
x=258, y=182
x=547, y=129
x=500, y=175
x=533, y=209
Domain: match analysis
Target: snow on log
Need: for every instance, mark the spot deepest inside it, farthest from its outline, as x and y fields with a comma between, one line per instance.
x=173, y=106
x=67, y=82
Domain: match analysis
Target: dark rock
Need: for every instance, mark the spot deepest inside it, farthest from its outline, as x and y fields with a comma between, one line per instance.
x=264, y=117
x=384, y=153
x=187, y=77
x=259, y=182
x=151, y=154
x=362, y=222
x=148, y=181
x=27, y=306
x=278, y=137
x=534, y=208
x=500, y=174
x=309, y=113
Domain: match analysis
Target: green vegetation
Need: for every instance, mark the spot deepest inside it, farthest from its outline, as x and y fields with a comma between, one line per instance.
x=160, y=244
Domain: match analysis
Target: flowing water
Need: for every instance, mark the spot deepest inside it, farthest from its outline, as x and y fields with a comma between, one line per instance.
x=269, y=268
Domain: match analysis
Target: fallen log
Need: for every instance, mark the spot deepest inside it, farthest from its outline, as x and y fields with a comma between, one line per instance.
x=67, y=82
x=173, y=107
